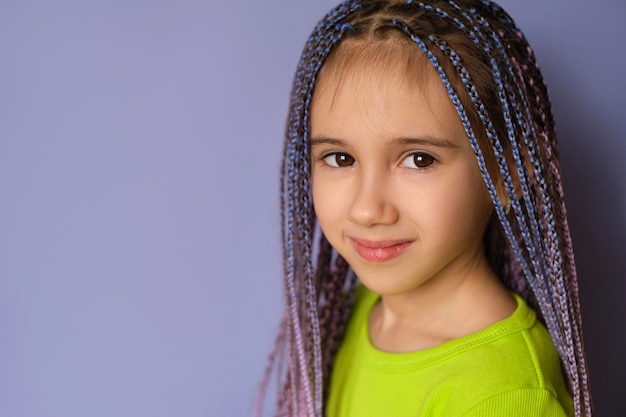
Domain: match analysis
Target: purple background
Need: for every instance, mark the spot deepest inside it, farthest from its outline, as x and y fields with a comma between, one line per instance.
x=139, y=154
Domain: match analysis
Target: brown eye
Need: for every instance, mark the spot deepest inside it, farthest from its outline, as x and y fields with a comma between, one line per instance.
x=339, y=160
x=419, y=160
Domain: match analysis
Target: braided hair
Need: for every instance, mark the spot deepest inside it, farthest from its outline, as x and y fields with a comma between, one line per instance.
x=492, y=78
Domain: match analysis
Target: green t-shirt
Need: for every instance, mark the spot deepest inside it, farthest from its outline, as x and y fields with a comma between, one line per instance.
x=508, y=369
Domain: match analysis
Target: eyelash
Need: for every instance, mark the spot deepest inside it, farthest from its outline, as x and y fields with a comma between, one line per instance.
x=326, y=157
x=424, y=155
x=351, y=161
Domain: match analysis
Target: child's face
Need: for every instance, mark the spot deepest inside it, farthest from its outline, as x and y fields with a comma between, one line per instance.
x=396, y=186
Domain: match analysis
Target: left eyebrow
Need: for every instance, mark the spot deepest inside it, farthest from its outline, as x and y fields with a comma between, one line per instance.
x=426, y=140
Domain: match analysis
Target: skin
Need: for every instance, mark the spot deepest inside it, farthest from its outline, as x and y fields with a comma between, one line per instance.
x=398, y=193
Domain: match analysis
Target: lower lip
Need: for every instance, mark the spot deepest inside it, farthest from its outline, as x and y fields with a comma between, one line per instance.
x=380, y=252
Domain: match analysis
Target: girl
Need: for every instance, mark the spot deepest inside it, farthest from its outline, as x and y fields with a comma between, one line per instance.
x=421, y=154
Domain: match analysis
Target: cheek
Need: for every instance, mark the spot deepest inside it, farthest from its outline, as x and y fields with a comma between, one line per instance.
x=462, y=201
x=323, y=202
x=331, y=202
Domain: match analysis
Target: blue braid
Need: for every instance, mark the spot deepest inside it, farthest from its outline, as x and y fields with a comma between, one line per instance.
x=526, y=136
x=472, y=34
x=471, y=89
x=566, y=347
x=531, y=238
x=296, y=197
x=468, y=130
x=322, y=51
x=565, y=351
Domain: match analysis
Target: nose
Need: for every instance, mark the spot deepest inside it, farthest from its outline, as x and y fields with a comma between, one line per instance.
x=373, y=202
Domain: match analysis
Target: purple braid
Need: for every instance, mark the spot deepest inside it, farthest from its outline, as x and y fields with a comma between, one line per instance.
x=567, y=290
x=303, y=383
x=509, y=123
x=333, y=301
x=570, y=286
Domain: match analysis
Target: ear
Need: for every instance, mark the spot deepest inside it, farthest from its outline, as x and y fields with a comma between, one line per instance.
x=503, y=195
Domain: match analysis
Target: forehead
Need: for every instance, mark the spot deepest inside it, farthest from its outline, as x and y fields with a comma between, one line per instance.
x=391, y=60
x=386, y=84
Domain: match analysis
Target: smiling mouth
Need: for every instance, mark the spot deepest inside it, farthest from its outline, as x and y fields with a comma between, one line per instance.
x=380, y=250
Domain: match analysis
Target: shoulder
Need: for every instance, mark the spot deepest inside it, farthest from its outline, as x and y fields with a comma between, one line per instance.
x=511, y=369
x=521, y=402
x=518, y=343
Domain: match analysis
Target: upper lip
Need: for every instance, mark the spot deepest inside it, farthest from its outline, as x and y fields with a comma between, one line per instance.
x=377, y=244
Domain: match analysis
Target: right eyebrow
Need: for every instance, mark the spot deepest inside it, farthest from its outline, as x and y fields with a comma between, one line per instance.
x=327, y=141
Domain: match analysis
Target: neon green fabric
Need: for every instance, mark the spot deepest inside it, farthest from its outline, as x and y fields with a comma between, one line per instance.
x=510, y=368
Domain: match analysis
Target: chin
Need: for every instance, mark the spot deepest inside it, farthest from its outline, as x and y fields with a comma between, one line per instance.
x=388, y=286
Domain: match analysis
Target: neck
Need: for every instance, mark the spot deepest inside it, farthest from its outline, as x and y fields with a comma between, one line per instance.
x=441, y=309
